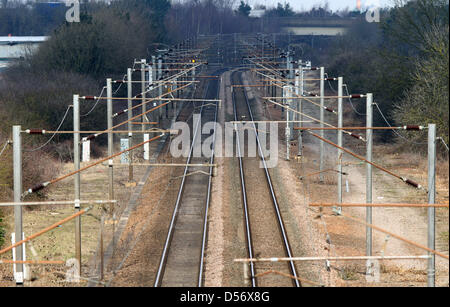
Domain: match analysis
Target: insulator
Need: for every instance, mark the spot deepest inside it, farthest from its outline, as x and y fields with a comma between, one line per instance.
x=356, y=136
x=412, y=127
x=35, y=131
x=412, y=183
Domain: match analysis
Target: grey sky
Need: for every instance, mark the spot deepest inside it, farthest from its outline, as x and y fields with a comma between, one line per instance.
x=333, y=4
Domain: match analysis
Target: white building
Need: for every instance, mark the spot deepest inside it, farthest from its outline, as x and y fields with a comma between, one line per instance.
x=16, y=47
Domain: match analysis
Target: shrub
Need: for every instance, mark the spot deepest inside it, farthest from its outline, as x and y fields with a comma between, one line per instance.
x=2, y=231
x=428, y=100
x=41, y=101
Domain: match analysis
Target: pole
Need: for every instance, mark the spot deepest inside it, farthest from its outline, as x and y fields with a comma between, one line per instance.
x=288, y=64
x=77, y=178
x=130, y=125
x=322, y=119
x=431, y=200
x=154, y=77
x=154, y=73
x=338, y=210
x=300, y=109
x=110, y=137
x=290, y=117
x=297, y=93
x=151, y=78
x=144, y=107
x=369, y=139
x=110, y=153
x=17, y=162
x=167, y=106
x=175, y=107
x=287, y=130
x=160, y=77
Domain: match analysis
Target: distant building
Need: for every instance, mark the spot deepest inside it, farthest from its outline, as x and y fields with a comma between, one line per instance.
x=16, y=47
x=257, y=13
x=315, y=26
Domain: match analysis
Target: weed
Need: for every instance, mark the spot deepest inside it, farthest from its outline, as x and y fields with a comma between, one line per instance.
x=348, y=273
x=2, y=232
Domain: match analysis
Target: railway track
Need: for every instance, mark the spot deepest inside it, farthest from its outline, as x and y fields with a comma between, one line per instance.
x=182, y=258
x=262, y=216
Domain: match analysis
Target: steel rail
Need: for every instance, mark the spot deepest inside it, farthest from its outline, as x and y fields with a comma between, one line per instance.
x=244, y=200
x=208, y=197
x=274, y=198
x=167, y=244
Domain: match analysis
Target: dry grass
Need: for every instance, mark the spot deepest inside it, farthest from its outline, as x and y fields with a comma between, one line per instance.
x=350, y=272
x=58, y=244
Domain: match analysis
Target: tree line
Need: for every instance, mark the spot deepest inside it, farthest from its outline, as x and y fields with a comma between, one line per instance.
x=404, y=61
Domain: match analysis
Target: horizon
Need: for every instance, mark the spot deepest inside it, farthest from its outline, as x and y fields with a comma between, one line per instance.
x=306, y=5
x=297, y=5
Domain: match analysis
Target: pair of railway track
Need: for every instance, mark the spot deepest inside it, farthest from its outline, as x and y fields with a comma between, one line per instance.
x=182, y=259
x=262, y=214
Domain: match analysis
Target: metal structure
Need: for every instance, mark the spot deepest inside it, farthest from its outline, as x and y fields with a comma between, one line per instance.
x=165, y=81
x=18, y=229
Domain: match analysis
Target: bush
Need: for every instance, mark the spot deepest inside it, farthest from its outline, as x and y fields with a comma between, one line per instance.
x=101, y=45
x=40, y=101
x=2, y=231
x=37, y=167
x=5, y=174
x=428, y=100
x=403, y=61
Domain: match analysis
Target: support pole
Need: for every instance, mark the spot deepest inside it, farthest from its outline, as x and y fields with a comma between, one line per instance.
x=77, y=178
x=431, y=200
x=287, y=129
x=322, y=119
x=17, y=162
x=160, y=77
x=110, y=153
x=290, y=66
x=154, y=78
x=143, y=89
x=151, y=77
x=300, y=109
x=174, y=104
x=110, y=137
x=338, y=210
x=130, y=124
x=290, y=113
x=153, y=115
x=369, y=139
x=165, y=67
x=175, y=109
x=297, y=93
